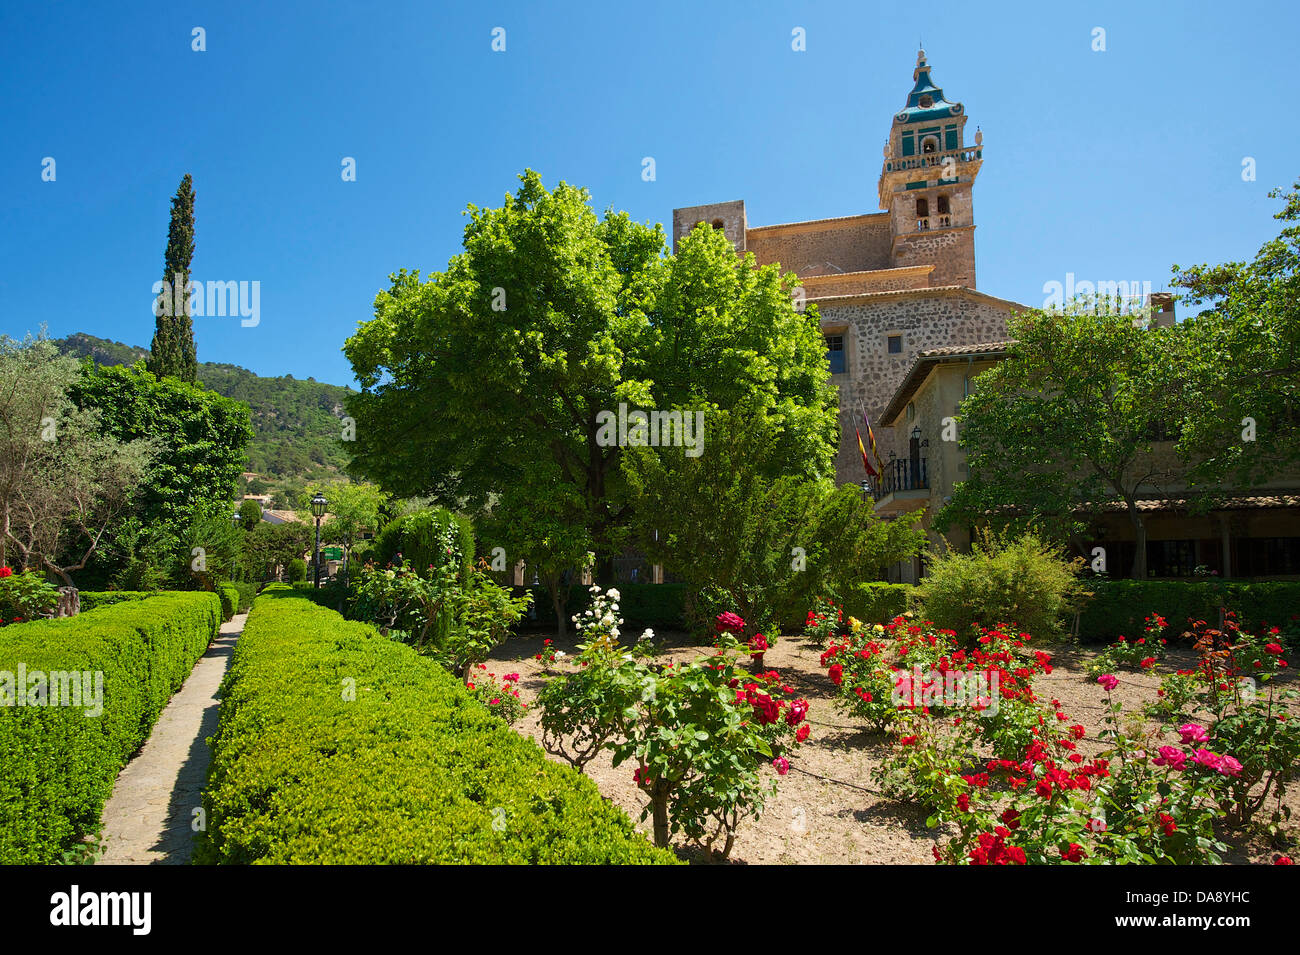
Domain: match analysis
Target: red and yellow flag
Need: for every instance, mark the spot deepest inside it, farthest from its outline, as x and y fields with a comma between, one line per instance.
x=871, y=472
x=871, y=439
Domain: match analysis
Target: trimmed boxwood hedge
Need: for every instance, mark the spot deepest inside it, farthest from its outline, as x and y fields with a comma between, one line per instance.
x=876, y=602
x=94, y=599
x=1119, y=607
x=229, y=595
x=412, y=770
x=57, y=765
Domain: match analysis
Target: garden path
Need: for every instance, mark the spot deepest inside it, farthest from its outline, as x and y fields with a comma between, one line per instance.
x=148, y=820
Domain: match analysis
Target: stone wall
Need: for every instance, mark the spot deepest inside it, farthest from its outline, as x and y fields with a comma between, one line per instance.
x=950, y=251
x=851, y=244
x=925, y=321
x=731, y=216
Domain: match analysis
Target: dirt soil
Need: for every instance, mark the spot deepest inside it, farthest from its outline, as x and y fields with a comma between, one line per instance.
x=827, y=809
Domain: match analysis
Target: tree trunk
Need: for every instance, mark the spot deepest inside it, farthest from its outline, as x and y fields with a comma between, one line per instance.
x=559, y=601
x=659, y=800
x=1140, y=541
x=69, y=604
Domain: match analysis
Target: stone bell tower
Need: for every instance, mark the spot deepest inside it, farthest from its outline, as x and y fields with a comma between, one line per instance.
x=925, y=183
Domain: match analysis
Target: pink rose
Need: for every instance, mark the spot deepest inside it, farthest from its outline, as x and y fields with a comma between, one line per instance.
x=1108, y=682
x=1171, y=756
x=1207, y=759
x=1193, y=733
x=1229, y=766
x=782, y=765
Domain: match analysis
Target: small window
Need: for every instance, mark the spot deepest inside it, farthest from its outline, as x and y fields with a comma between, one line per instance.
x=911, y=411
x=717, y=223
x=943, y=206
x=927, y=101
x=835, y=352
x=895, y=344
x=930, y=145
x=922, y=207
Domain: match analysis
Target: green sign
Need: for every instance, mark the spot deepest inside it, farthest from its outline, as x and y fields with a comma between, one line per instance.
x=331, y=553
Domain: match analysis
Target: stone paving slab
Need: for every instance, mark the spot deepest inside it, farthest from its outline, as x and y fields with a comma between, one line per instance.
x=148, y=819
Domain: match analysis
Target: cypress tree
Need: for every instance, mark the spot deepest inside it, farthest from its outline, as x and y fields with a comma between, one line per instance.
x=172, y=351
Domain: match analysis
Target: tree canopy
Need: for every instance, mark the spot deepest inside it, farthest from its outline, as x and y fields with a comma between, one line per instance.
x=487, y=385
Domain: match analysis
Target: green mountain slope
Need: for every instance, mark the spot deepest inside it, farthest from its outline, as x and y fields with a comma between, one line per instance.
x=295, y=423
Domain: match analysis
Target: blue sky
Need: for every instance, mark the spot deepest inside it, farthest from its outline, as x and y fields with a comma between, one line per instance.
x=1111, y=165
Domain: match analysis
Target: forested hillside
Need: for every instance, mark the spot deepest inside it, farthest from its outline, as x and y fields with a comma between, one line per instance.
x=295, y=422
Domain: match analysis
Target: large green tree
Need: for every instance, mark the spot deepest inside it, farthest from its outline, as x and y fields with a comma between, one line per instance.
x=484, y=386
x=201, y=440
x=1241, y=362
x=64, y=480
x=172, y=353
x=1069, y=418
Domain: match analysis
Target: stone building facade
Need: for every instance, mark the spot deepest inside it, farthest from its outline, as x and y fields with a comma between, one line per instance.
x=890, y=284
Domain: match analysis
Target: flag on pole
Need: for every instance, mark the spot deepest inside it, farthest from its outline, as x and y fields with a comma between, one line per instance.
x=871, y=440
x=871, y=472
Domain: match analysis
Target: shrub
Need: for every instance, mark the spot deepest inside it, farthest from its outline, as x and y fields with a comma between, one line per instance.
x=1021, y=581
x=1118, y=607
x=25, y=596
x=421, y=539
x=297, y=570
x=94, y=599
x=698, y=732
x=57, y=765
x=247, y=591
x=876, y=601
x=407, y=768
x=228, y=593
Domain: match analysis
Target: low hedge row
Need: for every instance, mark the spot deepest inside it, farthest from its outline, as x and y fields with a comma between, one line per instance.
x=94, y=599
x=336, y=745
x=876, y=602
x=1118, y=607
x=58, y=764
x=247, y=591
x=228, y=593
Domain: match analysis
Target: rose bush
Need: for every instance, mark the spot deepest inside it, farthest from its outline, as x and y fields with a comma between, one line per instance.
x=699, y=733
x=1005, y=770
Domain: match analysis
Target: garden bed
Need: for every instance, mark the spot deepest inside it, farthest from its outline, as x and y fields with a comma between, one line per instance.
x=828, y=809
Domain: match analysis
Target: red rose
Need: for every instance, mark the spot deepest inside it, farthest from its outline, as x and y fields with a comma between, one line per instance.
x=837, y=673
x=802, y=734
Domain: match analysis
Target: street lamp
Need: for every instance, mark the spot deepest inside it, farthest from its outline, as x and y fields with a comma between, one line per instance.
x=318, y=507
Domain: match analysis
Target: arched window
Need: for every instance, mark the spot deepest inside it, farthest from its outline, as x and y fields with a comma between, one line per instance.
x=922, y=207
x=930, y=144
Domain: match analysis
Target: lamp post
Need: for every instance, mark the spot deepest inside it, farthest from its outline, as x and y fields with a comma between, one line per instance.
x=318, y=506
